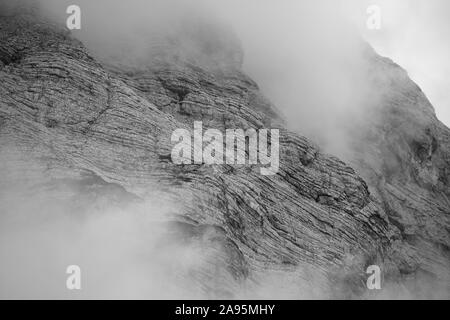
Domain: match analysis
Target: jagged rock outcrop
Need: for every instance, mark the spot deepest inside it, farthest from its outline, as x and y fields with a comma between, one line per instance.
x=100, y=126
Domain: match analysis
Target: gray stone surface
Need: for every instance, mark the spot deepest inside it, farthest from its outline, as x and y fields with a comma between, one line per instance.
x=107, y=127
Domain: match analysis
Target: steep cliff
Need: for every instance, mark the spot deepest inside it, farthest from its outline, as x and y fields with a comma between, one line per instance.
x=79, y=125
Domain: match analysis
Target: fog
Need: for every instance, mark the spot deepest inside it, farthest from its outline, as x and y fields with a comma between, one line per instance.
x=124, y=251
x=306, y=58
x=305, y=55
x=415, y=34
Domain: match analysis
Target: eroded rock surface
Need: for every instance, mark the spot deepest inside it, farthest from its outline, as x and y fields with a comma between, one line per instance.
x=75, y=120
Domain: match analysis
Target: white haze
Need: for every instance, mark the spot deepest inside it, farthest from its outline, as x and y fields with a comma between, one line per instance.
x=124, y=252
x=416, y=35
x=305, y=55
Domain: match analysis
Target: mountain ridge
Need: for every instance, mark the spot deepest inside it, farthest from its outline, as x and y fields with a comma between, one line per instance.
x=65, y=115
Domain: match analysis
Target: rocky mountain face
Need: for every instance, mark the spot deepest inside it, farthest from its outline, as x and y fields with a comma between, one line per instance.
x=94, y=129
x=404, y=157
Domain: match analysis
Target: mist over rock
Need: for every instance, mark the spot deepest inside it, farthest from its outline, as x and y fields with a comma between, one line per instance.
x=98, y=128
x=403, y=153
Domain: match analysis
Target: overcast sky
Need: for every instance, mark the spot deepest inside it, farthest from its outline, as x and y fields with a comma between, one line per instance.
x=416, y=35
